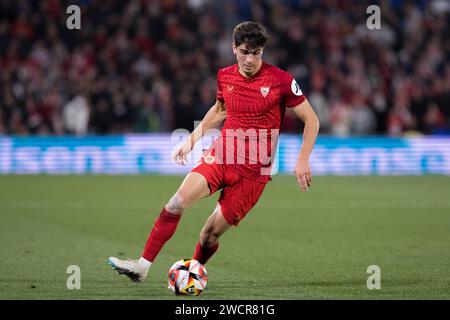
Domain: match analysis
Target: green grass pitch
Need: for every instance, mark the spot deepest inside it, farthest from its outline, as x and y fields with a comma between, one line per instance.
x=292, y=245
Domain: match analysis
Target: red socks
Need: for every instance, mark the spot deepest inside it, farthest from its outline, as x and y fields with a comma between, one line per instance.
x=203, y=254
x=162, y=231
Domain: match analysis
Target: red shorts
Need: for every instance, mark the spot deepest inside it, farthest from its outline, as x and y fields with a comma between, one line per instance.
x=239, y=194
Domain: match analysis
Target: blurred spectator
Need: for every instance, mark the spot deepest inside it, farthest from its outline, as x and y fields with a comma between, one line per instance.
x=76, y=115
x=362, y=117
x=400, y=118
x=434, y=119
x=150, y=66
x=341, y=118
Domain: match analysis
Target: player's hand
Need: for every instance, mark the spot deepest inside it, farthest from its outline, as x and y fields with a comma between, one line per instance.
x=303, y=174
x=180, y=156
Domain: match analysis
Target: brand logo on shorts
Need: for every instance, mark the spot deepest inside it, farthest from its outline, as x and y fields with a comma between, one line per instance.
x=265, y=91
x=209, y=158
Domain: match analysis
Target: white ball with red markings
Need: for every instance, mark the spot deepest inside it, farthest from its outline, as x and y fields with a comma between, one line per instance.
x=187, y=277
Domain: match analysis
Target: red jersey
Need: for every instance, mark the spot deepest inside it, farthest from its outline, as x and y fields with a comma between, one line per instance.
x=255, y=109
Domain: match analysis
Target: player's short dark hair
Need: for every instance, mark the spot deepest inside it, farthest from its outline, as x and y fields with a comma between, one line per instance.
x=253, y=34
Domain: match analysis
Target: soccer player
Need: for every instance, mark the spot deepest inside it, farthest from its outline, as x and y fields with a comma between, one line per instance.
x=251, y=100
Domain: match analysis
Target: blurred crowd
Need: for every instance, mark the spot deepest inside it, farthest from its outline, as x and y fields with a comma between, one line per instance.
x=150, y=66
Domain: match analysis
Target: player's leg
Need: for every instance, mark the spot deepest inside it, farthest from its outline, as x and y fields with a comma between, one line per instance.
x=215, y=226
x=236, y=199
x=193, y=188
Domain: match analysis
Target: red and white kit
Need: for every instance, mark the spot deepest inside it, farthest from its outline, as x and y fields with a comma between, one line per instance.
x=239, y=161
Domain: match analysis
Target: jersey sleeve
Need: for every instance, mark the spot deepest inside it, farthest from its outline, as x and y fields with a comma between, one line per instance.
x=219, y=95
x=292, y=93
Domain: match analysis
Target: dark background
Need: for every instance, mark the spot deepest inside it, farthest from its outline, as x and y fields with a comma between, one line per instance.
x=150, y=66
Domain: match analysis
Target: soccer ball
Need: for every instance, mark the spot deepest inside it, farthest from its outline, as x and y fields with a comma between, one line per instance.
x=187, y=277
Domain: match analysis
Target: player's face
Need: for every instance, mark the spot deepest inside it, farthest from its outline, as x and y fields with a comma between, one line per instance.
x=249, y=60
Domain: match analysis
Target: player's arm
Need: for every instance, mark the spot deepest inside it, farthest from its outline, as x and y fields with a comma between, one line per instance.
x=302, y=171
x=212, y=120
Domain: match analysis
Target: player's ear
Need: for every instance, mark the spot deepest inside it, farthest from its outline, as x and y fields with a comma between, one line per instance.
x=234, y=48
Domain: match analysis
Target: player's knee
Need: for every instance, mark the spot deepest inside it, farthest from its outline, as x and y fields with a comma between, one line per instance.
x=176, y=204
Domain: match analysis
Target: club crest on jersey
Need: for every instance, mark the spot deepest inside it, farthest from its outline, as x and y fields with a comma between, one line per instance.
x=265, y=91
